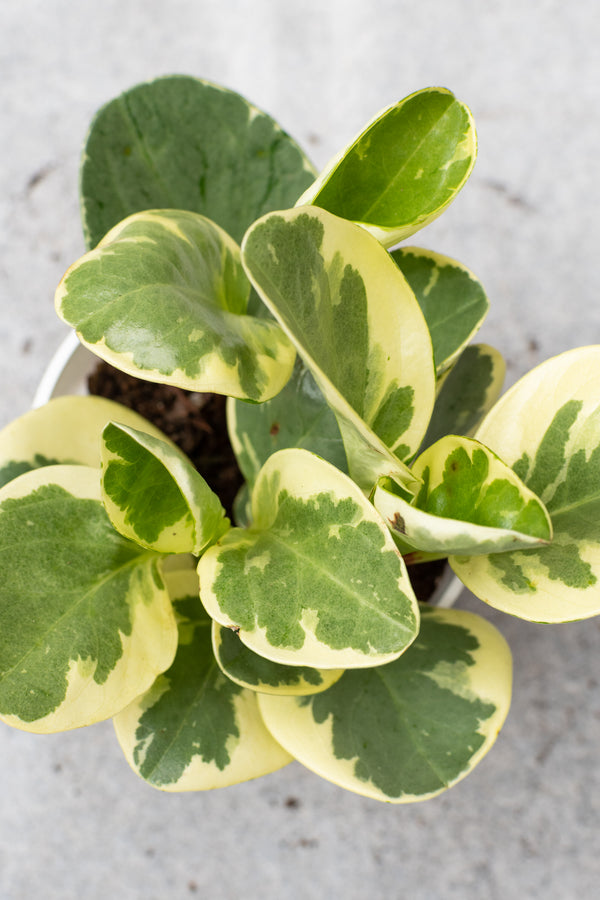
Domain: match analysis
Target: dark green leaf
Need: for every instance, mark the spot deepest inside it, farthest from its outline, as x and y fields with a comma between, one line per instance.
x=181, y=143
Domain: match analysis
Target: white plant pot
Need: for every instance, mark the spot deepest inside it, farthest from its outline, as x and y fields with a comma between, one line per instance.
x=67, y=374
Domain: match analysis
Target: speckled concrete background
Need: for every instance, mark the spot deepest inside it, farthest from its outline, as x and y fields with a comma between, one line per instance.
x=74, y=821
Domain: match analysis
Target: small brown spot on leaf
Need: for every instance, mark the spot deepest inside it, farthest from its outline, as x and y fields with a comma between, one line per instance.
x=398, y=524
x=274, y=430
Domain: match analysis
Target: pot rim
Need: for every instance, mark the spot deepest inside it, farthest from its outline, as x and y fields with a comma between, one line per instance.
x=66, y=371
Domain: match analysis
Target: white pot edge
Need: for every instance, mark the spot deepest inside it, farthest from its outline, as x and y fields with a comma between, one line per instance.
x=66, y=374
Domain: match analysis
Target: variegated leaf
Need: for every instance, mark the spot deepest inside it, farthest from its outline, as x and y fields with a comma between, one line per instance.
x=242, y=507
x=316, y=581
x=466, y=393
x=297, y=417
x=182, y=143
x=547, y=427
x=86, y=623
x=194, y=729
x=250, y=670
x=64, y=430
x=404, y=169
x=452, y=299
x=154, y=495
x=469, y=502
x=164, y=297
x=348, y=309
x=408, y=730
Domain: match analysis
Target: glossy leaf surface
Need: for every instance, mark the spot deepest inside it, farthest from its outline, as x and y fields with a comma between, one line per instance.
x=154, y=495
x=316, y=581
x=347, y=308
x=408, y=730
x=466, y=393
x=404, y=169
x=182, y=143
x=297, y=417
x=452, y=299
x=85, y=621
x=547, y=427
x=469, y=502
x=164, y=297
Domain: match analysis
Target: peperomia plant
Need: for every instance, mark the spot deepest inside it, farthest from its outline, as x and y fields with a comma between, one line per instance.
x=369, y=432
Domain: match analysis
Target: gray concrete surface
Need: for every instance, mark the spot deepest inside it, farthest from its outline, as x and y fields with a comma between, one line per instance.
x=74, y=821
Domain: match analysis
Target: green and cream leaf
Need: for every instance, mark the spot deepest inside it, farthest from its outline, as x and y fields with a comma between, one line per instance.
x=248, y=669
x=183, y=143
x=194, y=729
x=466, y=392
x=547, y=427
x=297, y=417
x=347, y=309
x=470, y=502
x=452, y=300
x=317, y=580
x=163, y=297
x=86, y=623
x=411, y=729
x=403, y=169
x=154, y=495
x=64, y=430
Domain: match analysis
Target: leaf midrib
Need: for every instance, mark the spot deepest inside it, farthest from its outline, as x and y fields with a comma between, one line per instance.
x=402, y=709
x=183, y=722
x=82, y=599
x=399, y=174
x=307, y=560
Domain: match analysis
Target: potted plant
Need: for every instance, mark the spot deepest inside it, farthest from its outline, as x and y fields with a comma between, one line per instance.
x=370, y=434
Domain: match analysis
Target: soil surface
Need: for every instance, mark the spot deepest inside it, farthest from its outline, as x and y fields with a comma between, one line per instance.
x=197, y=424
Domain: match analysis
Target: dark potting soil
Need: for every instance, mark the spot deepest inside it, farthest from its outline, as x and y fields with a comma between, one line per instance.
x=197, y=424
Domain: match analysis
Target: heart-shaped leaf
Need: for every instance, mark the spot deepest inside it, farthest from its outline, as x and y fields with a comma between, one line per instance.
x=547, y=427
x=348, y=310
x=316, y=581
x=86, y=623
x=410, y=729
x=404, y=169
x=164, y=297
x=182, y=143
x=194, y=729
